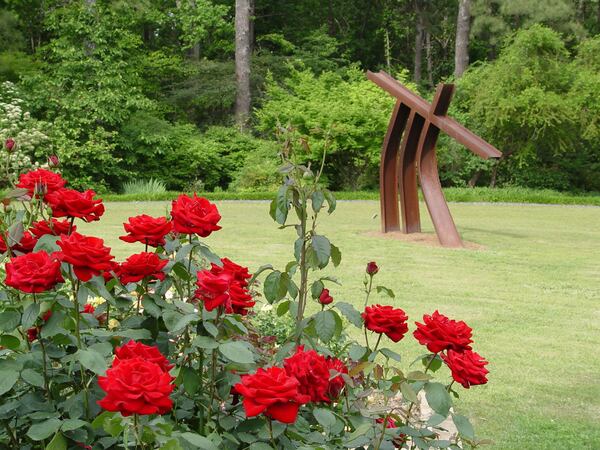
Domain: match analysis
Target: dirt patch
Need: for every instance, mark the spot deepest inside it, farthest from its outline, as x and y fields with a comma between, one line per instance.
x=426, y=239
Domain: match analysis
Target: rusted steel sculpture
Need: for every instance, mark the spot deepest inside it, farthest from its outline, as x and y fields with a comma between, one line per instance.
x=408, y=148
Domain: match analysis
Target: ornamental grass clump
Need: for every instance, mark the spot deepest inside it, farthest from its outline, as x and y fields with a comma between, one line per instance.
x=160, y=350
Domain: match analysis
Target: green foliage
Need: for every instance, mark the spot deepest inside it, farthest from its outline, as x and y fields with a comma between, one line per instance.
x=345, y=109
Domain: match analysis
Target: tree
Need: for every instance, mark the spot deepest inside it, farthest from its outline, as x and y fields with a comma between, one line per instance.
x=243, y=50
x=463, y=27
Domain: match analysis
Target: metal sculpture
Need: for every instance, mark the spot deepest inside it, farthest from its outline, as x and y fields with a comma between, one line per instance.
x=409, y=148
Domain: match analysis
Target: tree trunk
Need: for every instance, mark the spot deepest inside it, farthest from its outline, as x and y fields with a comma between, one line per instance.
x=331, y=18
x=429, y=57
x=463, y=27
x=419, y=41
x=243, y=44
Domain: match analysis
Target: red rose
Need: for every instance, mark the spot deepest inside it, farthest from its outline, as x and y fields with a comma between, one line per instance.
x=468, y=367
x=136, y=386
x=53, y=161
x=325, y=298
x=9, y=144
x=140, y=266
x=194, y=215
x=312, y=371
x=337, y=383
x=88, y=255
x=272, y=392
x=72, y=203
x=3, y=247
x=232, y=271
x=225, y=287
x=26, y=244
x=149, y=353
x=372, y=268
x=147, y=230
x=40, y=180
x=386, y=320
x=89, y=309
x=33, y=272
x=440, y=333
x=53, y=227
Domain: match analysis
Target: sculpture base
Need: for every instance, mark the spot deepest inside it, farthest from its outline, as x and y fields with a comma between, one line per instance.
x=426, y=239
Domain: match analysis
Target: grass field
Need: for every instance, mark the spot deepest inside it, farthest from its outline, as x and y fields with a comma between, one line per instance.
x=531, y=294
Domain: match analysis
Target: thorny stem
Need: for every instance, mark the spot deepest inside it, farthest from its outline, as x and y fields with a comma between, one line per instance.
x=76, y=287
x=271, y=432
x=384, y=426
x=369, y=290
x=377, y=344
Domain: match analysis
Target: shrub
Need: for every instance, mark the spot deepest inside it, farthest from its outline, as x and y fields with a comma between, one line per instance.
x=156, y=351
x=344, y=109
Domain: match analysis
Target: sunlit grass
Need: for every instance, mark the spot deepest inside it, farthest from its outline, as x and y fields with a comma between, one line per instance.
x=532, y=296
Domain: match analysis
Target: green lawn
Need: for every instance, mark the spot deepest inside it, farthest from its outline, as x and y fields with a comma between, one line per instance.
x=532, y=296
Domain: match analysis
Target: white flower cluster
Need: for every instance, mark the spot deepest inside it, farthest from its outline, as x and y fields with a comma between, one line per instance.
x=17, y=124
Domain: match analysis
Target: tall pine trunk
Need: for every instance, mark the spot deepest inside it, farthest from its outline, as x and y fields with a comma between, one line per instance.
x=419, y=41
x=463, y=28
x=243, y=51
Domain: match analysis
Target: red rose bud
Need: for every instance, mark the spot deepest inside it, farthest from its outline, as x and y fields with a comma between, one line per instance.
x=89, y=309
x=325, y=298
x=32, y=333
x=9, y=144
x=53, y=161
x=372, y=268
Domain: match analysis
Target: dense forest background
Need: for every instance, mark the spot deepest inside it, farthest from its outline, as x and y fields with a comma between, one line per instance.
x=194, y=92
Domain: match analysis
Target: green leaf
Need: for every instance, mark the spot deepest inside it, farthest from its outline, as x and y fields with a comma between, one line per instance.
x=92, y=360
x=32, y=377
x=10, y=342
x=43, y=430
x=205, y=342
x=280, y=206
x=463, y=426
x=73, y=424
x=390, y=354
x=325, y=417
x=8, y=378
x=199, y=441
x=151, y=307
x=317, y=200
x=191, y=380
x=58, y=442
x=438, y=398
x=276, y=286
x=325, y=325
x=322, y=248
x=417, y=375
x=47, y=243
x=316, y=288
x=175, y=321
x=30, y=315
x=298, y=243
x=350, y=313
x=336, y=256
x=237, y=352
x=330, y=200
x=408, y=392
x=282, y=308
x=386, y=291
x=9, y=320
x=260, y=446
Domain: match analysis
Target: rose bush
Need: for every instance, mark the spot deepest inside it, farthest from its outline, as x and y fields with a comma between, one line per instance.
x=160, y=350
